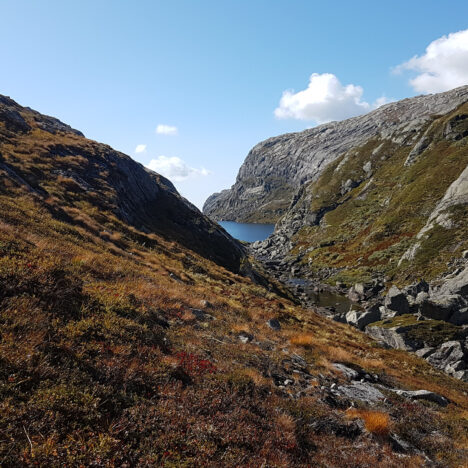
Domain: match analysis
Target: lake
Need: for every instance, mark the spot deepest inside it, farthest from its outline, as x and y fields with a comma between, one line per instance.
x=248, y=232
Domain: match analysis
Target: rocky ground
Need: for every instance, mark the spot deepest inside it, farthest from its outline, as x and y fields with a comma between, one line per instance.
x=429, y=319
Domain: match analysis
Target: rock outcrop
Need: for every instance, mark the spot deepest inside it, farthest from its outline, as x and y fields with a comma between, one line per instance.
x=437, y=327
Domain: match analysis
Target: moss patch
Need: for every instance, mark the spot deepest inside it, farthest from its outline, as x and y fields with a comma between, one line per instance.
x=430, y=332
x=372, y=225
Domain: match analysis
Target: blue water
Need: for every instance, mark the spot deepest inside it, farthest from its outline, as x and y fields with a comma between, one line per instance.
x=247, y=231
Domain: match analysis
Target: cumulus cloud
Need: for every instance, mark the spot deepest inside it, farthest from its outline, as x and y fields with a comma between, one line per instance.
x=140, y=149
x=162, y=129
x=444, y=66
x=324, y=99
x=175, y=168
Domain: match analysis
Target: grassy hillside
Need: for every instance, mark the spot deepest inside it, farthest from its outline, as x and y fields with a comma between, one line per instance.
x=369, y=227
x=120, y=346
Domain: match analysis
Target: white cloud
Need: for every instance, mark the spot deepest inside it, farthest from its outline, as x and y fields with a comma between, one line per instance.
x=324, y=99
x=140, y=149
x=175, y=168
x=162, y=129
x=444, y=66
x=381, y=101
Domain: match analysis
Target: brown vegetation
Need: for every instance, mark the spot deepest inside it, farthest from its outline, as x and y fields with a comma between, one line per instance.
x=375, y=422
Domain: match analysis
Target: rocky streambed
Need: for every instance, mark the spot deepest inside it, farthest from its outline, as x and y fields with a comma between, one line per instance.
x=429, y=319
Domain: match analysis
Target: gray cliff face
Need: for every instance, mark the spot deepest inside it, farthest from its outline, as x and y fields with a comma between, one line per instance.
x=275, y=169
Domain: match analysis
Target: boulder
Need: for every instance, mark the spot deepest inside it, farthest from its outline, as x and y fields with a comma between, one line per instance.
x=339, y=317
x=413, y=306
x=416, y=288
x=245, y=337
x=349, y=185
x=423, y=395
x=362, y=318
x=349, y=373
x=461, y=375
x=395, y=337
x=396, y=301
x=458, y=284
x=448, y=357
x=424, y=352
x=360, y=288
x=361, y=391
x=421, y=297
x=274, y=324
x=456, y=128
x=440, y=307
x=353, y=295
x=201, y=315
x=460, y=317
x=456, y=366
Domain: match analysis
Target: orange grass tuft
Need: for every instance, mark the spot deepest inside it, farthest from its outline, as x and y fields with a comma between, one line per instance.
x=304, y=339
x=375, y=422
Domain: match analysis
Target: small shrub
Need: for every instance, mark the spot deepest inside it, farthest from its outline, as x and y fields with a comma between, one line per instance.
x=194, y=365
x=375, y=422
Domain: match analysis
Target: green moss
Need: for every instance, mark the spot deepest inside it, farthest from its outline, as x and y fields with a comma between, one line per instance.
x=429, y=332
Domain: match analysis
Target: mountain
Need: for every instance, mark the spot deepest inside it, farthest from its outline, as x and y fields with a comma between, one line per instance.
x=275, y=169
x=391, y=204
x=133, y=334
x=379, y=213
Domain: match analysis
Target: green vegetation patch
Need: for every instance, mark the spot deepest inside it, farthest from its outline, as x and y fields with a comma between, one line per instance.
x=373, y=224
x=429, y=332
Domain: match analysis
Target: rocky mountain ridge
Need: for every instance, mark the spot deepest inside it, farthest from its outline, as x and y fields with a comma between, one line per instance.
x=275, y=169
x=374, y=223
x=55, y=162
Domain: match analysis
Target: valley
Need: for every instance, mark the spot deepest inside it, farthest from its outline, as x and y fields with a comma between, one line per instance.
x=379, y=222
x=136, y=332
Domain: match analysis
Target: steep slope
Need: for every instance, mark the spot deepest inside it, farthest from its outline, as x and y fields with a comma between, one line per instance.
x=384, y=208
x=385, y=215
x=275, y=169
x=69, y=172
x=122, y=345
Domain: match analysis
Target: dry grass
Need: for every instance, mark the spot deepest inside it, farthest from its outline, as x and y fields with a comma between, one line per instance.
x=256, y=376
x=240, y=327
x=306, y=340
x=375, y=422
x=335, y=353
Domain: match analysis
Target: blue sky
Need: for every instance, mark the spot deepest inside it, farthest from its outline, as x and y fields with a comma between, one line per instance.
x=217, y=70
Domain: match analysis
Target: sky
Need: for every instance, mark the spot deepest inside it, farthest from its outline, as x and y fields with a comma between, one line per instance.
x=187, y=88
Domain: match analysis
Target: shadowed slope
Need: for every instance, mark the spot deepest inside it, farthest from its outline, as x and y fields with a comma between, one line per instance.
x=59, y=165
